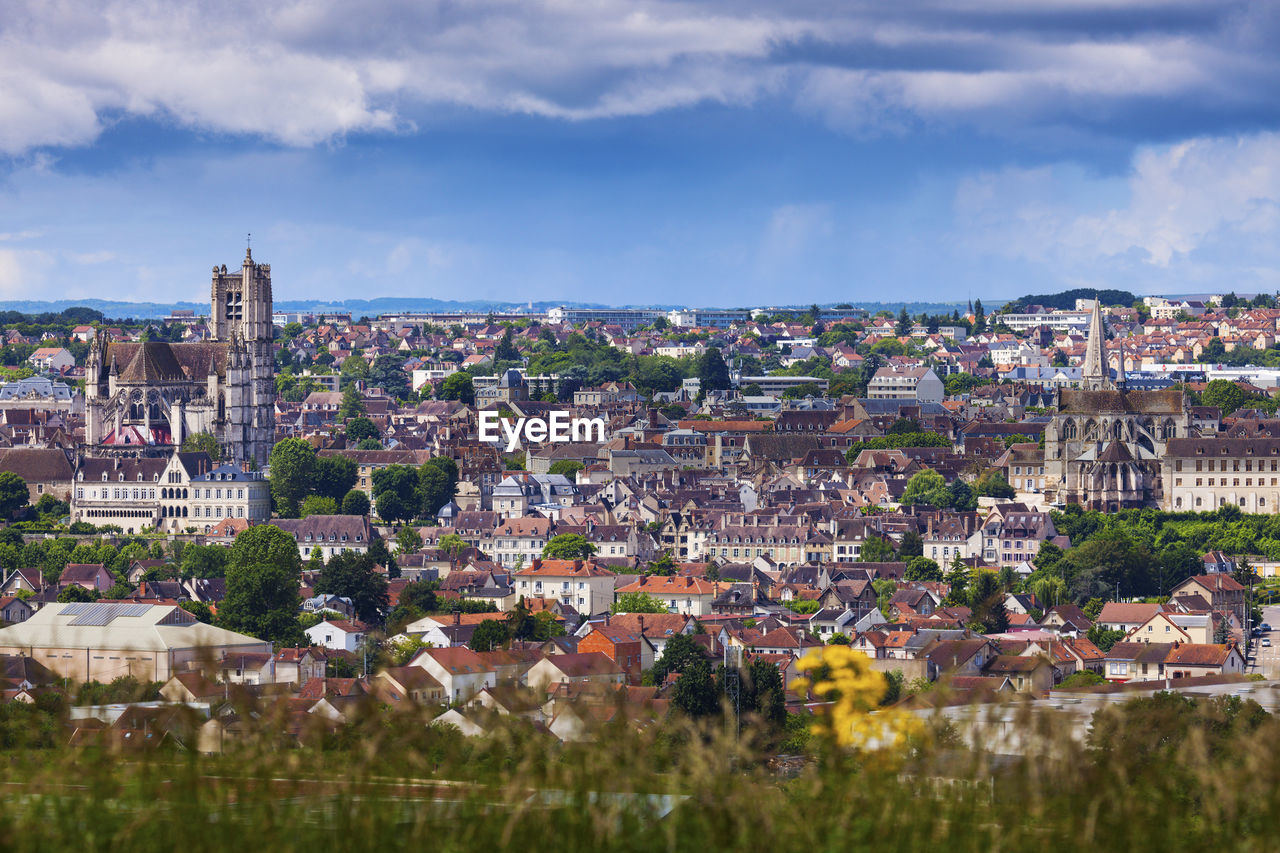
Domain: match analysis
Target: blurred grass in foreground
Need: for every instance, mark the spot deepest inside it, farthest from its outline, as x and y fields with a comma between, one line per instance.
x=1164, y=773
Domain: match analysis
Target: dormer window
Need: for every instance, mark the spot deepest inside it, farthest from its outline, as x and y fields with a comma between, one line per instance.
x=121, y=478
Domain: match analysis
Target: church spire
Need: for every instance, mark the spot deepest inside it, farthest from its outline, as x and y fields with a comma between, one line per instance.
x=1095, y=373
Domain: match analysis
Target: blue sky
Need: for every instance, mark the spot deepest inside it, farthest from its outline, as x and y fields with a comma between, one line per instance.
x=707, y=153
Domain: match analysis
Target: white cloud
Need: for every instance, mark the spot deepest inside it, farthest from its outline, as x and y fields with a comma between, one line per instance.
x=1207, y=207
x=22, y=272
x=305, y=71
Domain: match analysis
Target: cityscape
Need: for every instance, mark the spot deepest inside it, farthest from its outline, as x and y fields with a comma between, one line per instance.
x=663, y=427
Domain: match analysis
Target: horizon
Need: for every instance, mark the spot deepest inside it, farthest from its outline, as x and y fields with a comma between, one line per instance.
x=641, y=152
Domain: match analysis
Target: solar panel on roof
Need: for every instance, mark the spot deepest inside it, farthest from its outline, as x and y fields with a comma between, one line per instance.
x=75, y=609
x=98, y=615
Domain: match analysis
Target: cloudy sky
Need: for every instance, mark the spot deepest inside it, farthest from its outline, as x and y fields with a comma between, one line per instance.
x=717, y=152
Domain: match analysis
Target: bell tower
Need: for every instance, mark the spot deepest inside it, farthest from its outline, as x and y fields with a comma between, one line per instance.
x=241, y=304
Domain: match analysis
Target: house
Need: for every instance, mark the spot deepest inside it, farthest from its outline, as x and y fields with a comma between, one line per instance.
x=461, y=672
x=1033, y=674
x=332, y=534
x=587, y=586
x=683, y=594
x=14, y=609
x=1126, y=616
x=411, y=684
x=91, y=576
x=338, y=634
x=1066, y=619
x=52, y=358
x=577, y=668
x=627, y=648
x=1223, y=592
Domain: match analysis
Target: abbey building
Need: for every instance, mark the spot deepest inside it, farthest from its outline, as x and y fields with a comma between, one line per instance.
x=153, y=394
x=1104, y=447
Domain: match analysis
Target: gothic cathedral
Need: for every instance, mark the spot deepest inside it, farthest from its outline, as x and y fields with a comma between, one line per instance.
x=1103, y=448
x=152, y=394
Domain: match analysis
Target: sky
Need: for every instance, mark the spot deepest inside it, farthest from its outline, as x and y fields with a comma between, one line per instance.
x=712, y=152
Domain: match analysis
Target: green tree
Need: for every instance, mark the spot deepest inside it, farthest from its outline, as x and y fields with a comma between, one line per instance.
x=713, y=373
x=351, y=575
x=355, y=502
x=388, y=374
x=1226, y=395
x=293, y=466
x=352, y=402
x=13, y=494
x=334, y=477
x=566, y=467
x=317, y=505
x=876, y=550
x=489, y=635
x=506, y=348
x=202, y=441
x=922, y=569
x=395, y=491
x=204, y=561
x=912, y=545
x=885, y=590
x=638, y=602
x=958, y=579
x=74, y=593
x=695, y=691
x=408, y=539
x=458, y=386
x=926, y=487
x=358, y=429
x=568, y=546
x=263, y=579
x=992, y=484
x=903, y=327
x=986, y=601
x=437, y=483
x=452, y=544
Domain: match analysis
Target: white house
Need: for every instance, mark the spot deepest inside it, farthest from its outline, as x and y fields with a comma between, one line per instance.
x=337, y=634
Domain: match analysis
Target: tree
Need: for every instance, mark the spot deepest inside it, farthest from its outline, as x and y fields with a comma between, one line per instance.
x=962, y=497
x=678, y=654
x=489, y=635
x=202, y=441
x=13, y=494
x=437, y=483
x=388, y=374
x=885, y=590
x=358, y=429
x=263, y=578
x=986, y=601
x=713, y=373
x=568, y=546
x=958, y=578
x=664, y=565
x=912, y=545
x=695, y=691
x=204, y=561
x=458, y=386
x=922, y=569
x=355, y=502
x=1225, y=394
x=992, y=484
x=293, y=466
x=408, y=540
x=876, y=550
x=506, y=348
x=926, y=487
x=452, y=544
x=317, y=505
x=903, y=327
x=566, y=467
x=979, y=318
x=352, y=402
x=638, y=602
x=74, y=593
x=334, y=476
x=395, y=491
x=351, y=575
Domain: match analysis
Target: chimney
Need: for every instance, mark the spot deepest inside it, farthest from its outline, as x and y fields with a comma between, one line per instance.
x=641, y=624
x=606, y=618
x=457, y=617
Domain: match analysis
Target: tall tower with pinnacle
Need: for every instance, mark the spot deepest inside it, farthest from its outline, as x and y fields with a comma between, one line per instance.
x=241, y=314
x=1095, y=375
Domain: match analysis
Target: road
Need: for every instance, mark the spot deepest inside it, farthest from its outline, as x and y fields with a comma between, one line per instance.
x=1267, y=658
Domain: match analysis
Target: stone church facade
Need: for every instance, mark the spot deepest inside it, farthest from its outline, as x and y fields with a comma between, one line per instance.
x=153, y=395
x=1103, y=448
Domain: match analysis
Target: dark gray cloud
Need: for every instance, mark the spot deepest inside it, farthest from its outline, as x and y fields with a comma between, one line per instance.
x=307, y=71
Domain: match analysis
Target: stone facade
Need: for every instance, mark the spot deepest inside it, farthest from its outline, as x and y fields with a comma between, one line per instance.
x=140, y=395
x=1103, y=448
